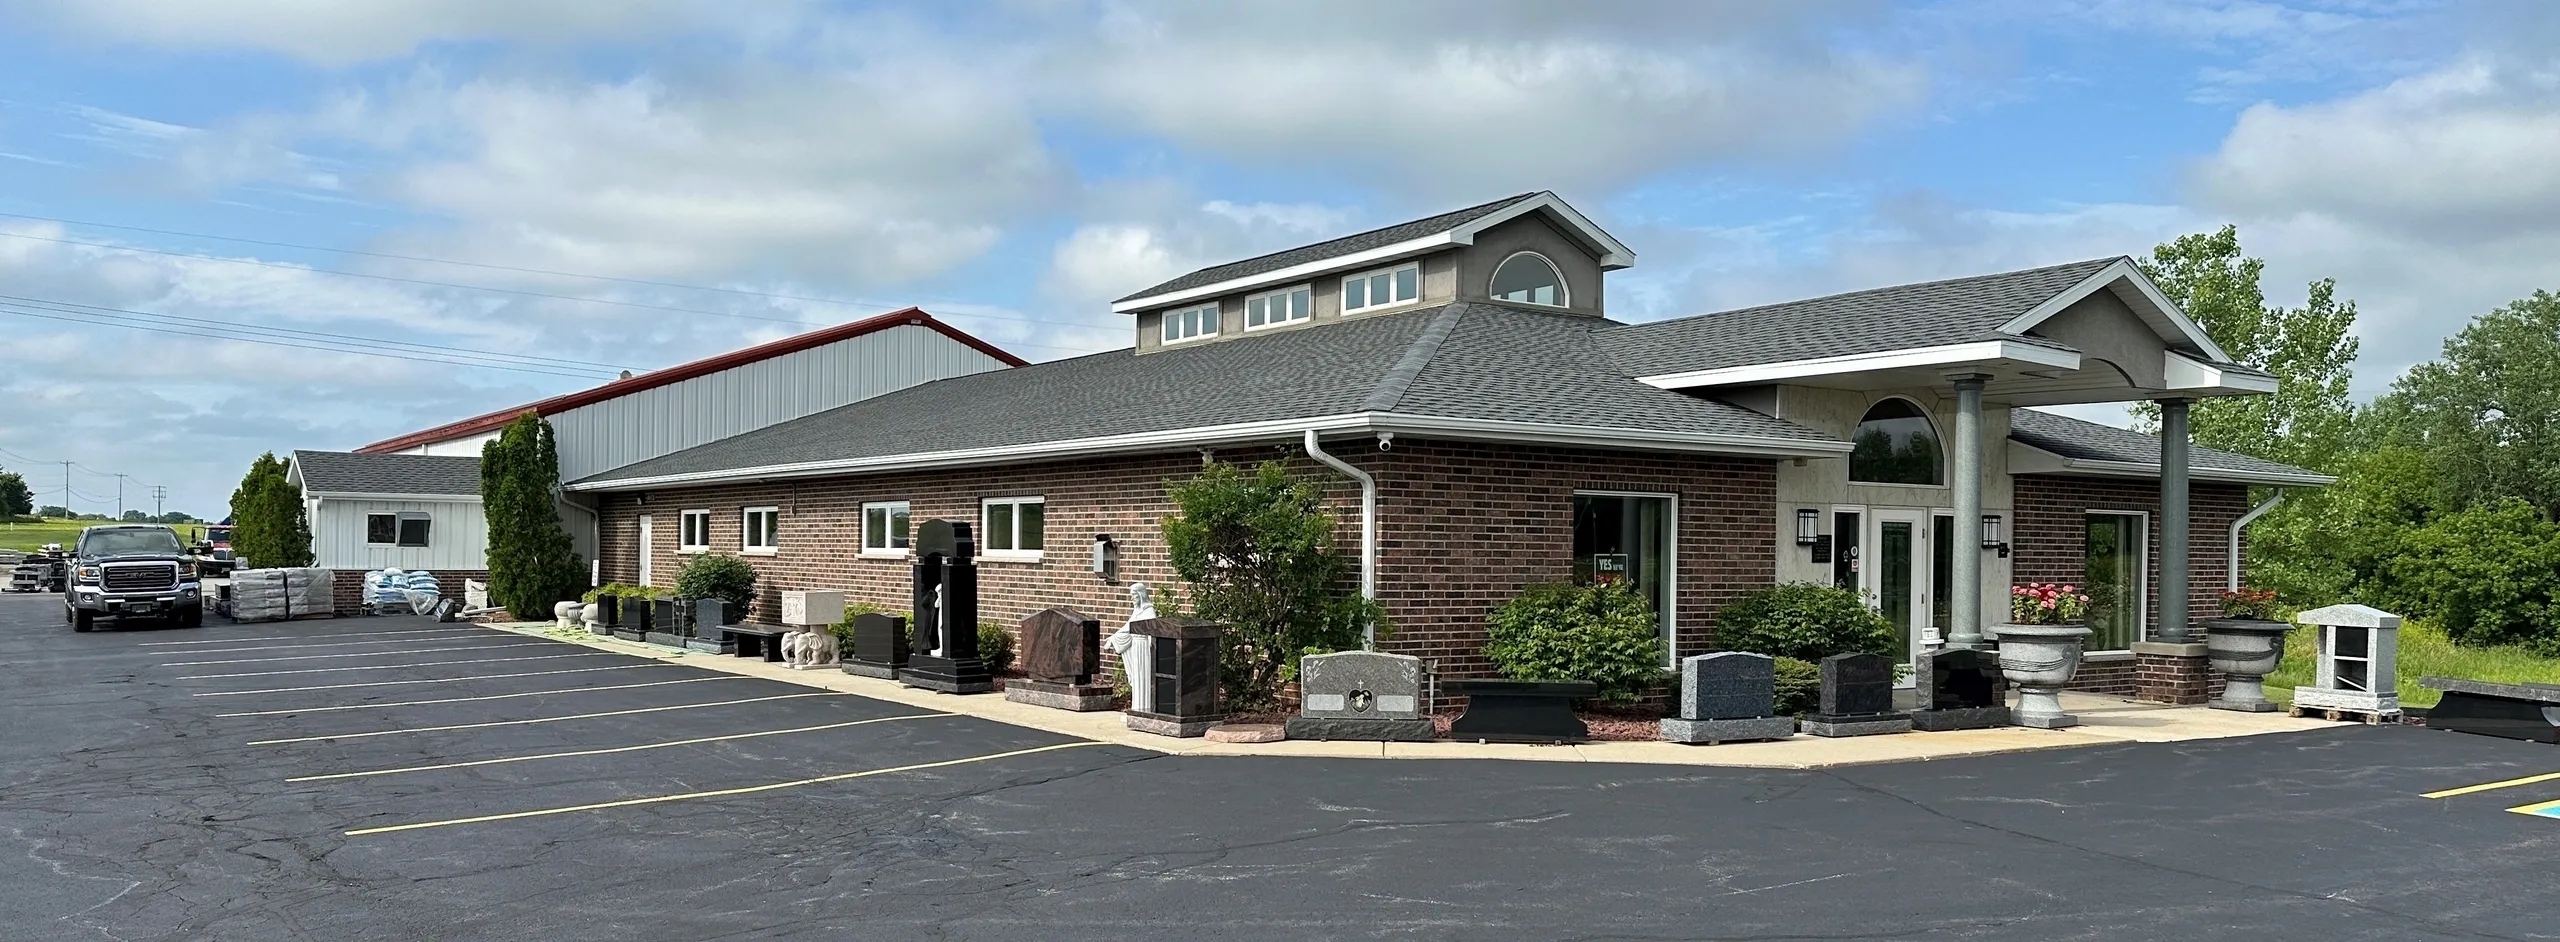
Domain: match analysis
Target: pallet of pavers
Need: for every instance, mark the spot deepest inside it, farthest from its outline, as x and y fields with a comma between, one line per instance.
x=282, y=594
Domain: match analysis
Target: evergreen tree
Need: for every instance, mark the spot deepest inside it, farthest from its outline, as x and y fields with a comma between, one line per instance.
x=271, y=528
x=531, y=563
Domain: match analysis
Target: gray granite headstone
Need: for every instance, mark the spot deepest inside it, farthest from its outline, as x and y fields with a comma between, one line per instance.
x=1362, y=695
x=1727, y=685
x=708, y=616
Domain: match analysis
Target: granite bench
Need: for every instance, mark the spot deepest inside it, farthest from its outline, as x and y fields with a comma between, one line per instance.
x=1531, y=711
x=755, y=640
x=2530, y=712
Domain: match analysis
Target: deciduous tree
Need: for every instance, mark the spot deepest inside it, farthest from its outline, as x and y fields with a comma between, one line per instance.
x=1257, y=549
x=2488, y=411
x=270, y=527
x=16, y=499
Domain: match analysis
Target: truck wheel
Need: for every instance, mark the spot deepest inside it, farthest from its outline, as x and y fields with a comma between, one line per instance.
x=193, y=618
x=83, y=621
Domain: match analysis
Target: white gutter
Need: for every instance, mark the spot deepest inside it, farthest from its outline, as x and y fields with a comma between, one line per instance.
x=1368, y=530
x=2243, y=524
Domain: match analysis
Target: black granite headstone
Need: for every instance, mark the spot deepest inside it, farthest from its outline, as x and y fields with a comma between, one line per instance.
x=879, y=646
x=1184, y=673
x=1963, y=679
x=1857, y=684
x=944, y=656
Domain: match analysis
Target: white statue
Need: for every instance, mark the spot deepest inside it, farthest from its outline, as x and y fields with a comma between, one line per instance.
x=1136, y=651
x=812, y=646
x=566, y=614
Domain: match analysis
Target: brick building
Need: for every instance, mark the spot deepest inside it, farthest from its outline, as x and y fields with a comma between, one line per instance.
x=1484, y=427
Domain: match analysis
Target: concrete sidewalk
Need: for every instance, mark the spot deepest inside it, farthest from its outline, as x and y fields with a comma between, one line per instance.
x=2104, y=720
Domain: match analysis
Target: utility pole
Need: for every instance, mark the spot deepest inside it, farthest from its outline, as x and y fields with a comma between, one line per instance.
x=119, y=497
x=66, y=491
x=159, y=498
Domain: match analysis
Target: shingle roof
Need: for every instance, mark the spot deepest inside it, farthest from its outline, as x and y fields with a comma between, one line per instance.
x=2090, y=441
x=342, y=472
x=1901, y=317
x=1360, y=242
x=1462, y=360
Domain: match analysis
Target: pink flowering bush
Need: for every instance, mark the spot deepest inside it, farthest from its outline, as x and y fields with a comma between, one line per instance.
x=2044, y=603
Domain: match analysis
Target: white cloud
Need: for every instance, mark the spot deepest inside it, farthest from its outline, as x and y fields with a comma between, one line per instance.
x=339, y=33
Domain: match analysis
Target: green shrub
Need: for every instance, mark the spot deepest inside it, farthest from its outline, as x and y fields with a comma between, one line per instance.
x=1605, y=634
x=1257, y=550
x=1799, y=686
x=531, y=562
x=610, y=590
x=995, y=646
x=714, y=576
x=2489, y=574
x=843, y=630
x=1806, y=621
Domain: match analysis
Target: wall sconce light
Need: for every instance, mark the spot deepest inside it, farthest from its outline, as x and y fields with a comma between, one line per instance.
x=1808, y=526
x=1991, y=535
x=1106, y=557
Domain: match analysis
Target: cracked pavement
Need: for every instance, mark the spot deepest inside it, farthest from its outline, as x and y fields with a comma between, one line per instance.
x=129, y=810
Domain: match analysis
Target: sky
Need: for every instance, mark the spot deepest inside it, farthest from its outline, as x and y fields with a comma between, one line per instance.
x=568, y=189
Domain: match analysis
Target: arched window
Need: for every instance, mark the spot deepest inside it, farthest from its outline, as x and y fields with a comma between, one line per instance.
x=1895, y=444
x=1529, y=279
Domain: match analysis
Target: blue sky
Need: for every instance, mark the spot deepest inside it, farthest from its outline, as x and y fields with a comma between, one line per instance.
x=1011, y=166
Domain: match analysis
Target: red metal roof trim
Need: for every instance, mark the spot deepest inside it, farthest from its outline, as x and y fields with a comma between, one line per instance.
x=679, y=373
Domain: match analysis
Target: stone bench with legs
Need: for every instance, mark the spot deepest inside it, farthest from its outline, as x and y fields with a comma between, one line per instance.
x=755, y=640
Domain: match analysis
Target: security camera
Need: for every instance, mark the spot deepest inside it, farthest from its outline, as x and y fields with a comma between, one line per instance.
x=1386, y=440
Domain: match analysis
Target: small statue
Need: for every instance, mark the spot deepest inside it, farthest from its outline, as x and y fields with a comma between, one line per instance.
x=566, y=614
x=1136, y=651
x=810, y=647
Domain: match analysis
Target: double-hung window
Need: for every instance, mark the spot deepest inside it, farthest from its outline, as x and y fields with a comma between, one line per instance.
x=1012, y=527
x=884, y=528
x=1385, y=288
x=1274, y=308
x=1191, y=323
x=694, y=536
x=761, y=522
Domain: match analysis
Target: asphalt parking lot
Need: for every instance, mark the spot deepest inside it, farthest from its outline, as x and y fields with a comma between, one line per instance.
x=388, y=778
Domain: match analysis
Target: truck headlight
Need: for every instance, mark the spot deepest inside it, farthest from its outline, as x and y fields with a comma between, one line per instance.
x=87, y=575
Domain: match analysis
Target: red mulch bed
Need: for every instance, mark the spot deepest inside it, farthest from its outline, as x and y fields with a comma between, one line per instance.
x=1607, y=723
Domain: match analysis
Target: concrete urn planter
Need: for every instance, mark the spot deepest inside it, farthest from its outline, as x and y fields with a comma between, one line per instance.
x=2040, y=660
x=592, y=615
x=2245, y=651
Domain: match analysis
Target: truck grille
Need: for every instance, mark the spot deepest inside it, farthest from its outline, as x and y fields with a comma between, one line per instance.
x=140, y=577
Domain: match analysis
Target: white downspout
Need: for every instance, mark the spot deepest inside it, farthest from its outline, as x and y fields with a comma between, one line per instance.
x=2243, y=524
x=1368, y=529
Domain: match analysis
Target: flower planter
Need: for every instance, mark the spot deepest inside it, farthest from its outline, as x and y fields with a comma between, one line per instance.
x=2040, y=660
x=2245, y=650
x=592, y=615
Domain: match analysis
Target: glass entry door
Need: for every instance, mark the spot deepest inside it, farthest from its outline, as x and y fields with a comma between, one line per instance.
x=1898, y=575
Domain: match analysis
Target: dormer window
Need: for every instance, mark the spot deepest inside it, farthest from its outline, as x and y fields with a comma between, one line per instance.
x=1399, y=285
x=1191, y=323
x=1274, y=308
x=1528, y=278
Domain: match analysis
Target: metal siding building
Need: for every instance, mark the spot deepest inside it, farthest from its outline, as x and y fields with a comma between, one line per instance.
x=457, y=538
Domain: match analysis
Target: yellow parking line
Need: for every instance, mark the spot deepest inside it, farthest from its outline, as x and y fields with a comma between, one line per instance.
x=494, y=696
x=2546, y=808
x=429, y=680
x=546, y=719
x=318, y=657
x=605, y=752
x=2491, y=786
x=330, y=644
x=387, y=667
x=320, y=634
x=722, y=793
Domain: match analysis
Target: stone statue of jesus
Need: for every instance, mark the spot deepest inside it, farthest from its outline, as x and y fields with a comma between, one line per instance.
x=1136, y=651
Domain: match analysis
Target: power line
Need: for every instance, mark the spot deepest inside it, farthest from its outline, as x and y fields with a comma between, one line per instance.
x=319, y=335
x=104, y=320
x=540, y=294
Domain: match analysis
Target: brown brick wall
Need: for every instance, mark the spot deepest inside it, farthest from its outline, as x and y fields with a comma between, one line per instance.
x=1462, y=528
x=2049, y=538
x=346, y=586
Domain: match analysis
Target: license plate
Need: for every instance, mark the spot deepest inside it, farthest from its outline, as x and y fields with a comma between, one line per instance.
x=141, y=606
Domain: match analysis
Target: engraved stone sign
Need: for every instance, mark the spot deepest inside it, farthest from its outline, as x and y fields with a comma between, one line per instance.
x=1360, y=695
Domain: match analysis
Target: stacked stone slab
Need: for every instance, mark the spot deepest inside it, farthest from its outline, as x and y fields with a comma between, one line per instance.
x=1727, y=696
x=1062, y=651
x=1360, y=695
x=1857, y=698
x=1959, y=689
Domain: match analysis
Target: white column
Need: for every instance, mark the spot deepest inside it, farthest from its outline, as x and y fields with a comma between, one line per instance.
x=1965, y=610
x=2173, y=604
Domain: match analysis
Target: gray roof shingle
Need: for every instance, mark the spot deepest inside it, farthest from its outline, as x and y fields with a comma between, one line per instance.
x=1462, y=360
x=1358, y=242
x=345, y=472
x=2090, y=441
x=1901, y=317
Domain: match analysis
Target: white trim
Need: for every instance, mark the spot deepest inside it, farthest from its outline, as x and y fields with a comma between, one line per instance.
x=2179, y=371
x=1670, y=566
x=986, y=536
x=1368, y=529
x=862, y=524
x=2122, y=270
x=2141, y=575
x=648, y=548
x=685, y=516
x=1212, y=323
x=1562, y=288
x=747, y=531
x=415, y=498
x=1342, y=290
x=1282, y=293
x=1246, y=432
x=1614, y=254
x=1982, y=351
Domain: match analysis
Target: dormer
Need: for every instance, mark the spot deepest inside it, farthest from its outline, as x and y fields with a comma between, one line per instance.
x=1532, y=251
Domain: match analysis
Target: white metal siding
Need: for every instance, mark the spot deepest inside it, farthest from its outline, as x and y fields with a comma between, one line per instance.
x=459, y=538
x=670, y=418
x=460, y=446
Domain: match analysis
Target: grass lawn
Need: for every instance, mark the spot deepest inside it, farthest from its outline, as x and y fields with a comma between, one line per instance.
x=27, y=537
x=2424, y=650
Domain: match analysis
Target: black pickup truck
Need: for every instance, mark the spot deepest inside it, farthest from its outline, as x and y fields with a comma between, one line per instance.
x=133, y=571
